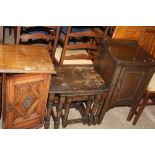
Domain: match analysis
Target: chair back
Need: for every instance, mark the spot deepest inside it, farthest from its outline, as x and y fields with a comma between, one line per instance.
x=81, y=38
x=39, y=35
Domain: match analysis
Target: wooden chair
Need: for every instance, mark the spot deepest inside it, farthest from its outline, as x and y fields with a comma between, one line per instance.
x=79, y=44
x=79, y=87
x=148, y=99
x=148, y=43
x=39, y=35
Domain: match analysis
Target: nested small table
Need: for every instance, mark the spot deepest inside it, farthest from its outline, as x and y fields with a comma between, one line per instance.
x=79, y=87
x=26, y=71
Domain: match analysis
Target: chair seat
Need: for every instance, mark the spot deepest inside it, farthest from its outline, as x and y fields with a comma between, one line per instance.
x=73, y=62
x=77, y=80
x=151, y=86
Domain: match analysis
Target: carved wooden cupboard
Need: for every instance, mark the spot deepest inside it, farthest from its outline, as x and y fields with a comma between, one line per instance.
x=26, y=77
x=25, y=100
x=128, y=70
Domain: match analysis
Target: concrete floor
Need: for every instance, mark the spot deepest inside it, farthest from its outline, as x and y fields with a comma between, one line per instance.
x=115, y=118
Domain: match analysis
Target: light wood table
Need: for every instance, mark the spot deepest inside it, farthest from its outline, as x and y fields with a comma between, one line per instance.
x=26, y=71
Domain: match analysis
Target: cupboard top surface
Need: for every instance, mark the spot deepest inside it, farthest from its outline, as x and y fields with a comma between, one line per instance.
x=25, y=59
x=129, y=53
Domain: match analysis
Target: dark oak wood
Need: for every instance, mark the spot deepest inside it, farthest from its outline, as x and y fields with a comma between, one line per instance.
x=145, y=36
x=130, y=70
x=79, y=87
x=149, y=44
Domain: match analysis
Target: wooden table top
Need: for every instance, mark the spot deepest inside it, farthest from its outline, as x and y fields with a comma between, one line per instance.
x=77, y=80
x=25, y=59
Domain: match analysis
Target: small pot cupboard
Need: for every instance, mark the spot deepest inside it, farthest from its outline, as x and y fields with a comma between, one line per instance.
x=128, y=70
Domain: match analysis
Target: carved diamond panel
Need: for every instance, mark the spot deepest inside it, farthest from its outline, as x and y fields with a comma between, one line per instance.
x=28, y=100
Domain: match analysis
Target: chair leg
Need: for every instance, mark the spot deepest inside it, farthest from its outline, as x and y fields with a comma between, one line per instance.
x=59, y=112
x=141, y=108
x=15, y=34
x=87, y=112
x=49, y=109
x=99, y=108
x=67, y=108
x=131, y=113
x=103, y=110
x=47, y=118
x=94, y=109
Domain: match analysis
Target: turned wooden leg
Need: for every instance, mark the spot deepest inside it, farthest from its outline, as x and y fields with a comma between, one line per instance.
x=99, y=108
x=102, y=109
x=131, y=113
x=81, y=108
x=88, y=107
x=67, y=108
x=141, y=108
x=47, y=118
x=59, y=112
x=49, y=109
x=94, y=108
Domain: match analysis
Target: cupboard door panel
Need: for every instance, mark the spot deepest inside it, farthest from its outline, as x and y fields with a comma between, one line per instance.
x=25, y=101
x=129, y=85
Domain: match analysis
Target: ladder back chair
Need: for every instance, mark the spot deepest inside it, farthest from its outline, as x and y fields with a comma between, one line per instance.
x=79, y=44
x=44, y=35
x=81, y=87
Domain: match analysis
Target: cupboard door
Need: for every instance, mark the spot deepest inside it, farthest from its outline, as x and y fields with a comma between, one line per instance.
x=25, y=100
x=129, y=86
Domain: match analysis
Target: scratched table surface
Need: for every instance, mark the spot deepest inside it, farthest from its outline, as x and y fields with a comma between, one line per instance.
x=25, y=59
x=77, y=79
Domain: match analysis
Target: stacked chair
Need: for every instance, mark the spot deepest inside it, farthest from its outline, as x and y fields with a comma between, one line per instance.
x=42, y=35
x=79, y=44
x=78, y=84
